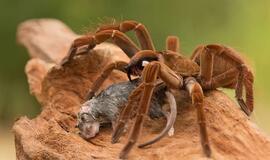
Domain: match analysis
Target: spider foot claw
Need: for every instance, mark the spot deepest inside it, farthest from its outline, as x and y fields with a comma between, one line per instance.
x=122, y=156
x=207, y=150
x=64, y=62
x=117, y=134
x=244, y=106
x=124, y=153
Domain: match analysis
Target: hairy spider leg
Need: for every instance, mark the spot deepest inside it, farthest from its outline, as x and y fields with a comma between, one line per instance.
x=170, y=121
x=196, y=93
x=141, y=32
x=150, y=73
x=118, y=65
x=235, y=77
x=117, y=37
x=173, y=44
x=127, y=113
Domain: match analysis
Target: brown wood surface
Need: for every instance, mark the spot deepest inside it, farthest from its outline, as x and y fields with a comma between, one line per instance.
x=60, y=91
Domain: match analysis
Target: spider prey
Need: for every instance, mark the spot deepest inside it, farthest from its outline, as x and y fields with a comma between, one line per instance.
x=210, y=66
x=104, y=108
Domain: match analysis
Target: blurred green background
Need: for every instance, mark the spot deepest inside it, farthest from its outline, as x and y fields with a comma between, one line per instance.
x=242, y=24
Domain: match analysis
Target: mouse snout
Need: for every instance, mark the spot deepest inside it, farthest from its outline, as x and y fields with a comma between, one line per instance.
x=88, y=130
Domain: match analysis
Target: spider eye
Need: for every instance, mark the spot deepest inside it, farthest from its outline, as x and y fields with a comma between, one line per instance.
x=144, y=63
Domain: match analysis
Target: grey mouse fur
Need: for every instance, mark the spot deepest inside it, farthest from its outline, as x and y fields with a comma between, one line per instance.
x=105, y=107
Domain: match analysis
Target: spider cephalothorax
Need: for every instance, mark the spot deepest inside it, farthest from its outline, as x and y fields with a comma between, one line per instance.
x=210, y=66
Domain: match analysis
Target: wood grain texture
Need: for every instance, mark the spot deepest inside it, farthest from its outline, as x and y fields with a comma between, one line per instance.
x=60, y=91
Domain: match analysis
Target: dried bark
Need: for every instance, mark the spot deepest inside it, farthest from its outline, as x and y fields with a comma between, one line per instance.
x=60, y=91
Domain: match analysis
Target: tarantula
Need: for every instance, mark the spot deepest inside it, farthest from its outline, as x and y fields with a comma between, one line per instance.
x=210, y=67
x=104, y=108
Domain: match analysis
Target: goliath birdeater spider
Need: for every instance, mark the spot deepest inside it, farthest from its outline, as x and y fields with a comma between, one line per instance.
x=210, y=67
